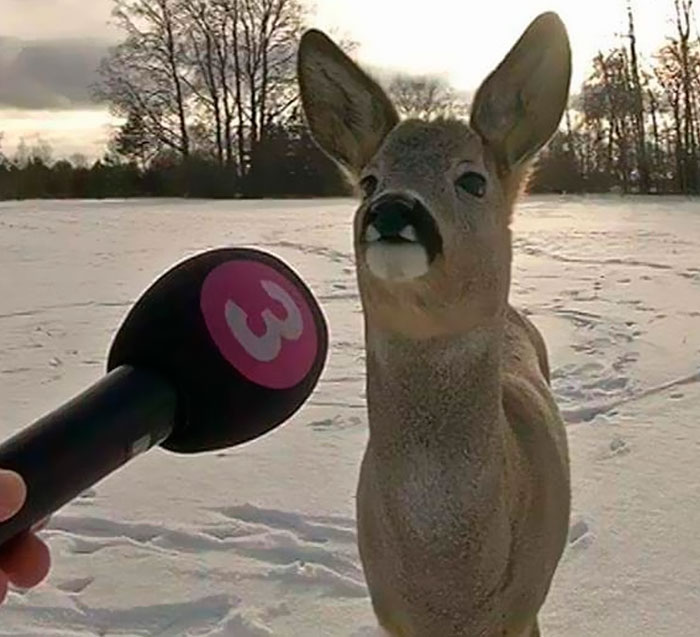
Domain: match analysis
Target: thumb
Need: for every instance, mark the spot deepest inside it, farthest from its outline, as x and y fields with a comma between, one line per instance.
x=13, y=491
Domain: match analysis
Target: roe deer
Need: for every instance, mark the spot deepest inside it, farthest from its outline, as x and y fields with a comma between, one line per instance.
x=464, y=496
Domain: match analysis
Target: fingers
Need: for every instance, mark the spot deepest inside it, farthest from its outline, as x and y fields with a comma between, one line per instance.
x=25, y=561
x=3, y=587
x=13, y=492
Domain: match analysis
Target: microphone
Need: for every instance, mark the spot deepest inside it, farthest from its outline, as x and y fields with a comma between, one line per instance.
x=220, y=350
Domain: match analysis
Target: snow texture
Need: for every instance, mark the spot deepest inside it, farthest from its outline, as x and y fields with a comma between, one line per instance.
x=260, y=540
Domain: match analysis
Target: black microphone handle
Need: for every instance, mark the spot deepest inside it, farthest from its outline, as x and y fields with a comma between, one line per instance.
x=67, y=451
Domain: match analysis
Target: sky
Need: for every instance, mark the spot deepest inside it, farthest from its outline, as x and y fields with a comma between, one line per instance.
x=49, y=50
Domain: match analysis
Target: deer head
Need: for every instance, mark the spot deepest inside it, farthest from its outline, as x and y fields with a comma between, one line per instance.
x=431, y=234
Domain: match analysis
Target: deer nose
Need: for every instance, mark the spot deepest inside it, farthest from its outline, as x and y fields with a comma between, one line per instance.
x=392, y=218
x=401, y=218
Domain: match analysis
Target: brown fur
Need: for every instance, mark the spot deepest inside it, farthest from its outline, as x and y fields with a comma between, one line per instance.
x=463, y=499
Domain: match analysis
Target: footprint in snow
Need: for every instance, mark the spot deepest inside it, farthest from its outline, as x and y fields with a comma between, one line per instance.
x=75, y=586
x=619, y=447
x=580, y=536
x=85, y=498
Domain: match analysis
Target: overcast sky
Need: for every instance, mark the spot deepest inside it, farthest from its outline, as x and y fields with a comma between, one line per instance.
x=49, y=49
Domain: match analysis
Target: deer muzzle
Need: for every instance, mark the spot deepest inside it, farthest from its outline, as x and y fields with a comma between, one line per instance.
x=400, y=237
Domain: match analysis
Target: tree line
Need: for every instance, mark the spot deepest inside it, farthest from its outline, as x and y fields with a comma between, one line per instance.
x=287, y=163
x=207, y=94
x=635, y=124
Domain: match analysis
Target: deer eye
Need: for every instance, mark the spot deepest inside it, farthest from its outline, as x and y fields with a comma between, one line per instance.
x=473, y=184
x=369, y=185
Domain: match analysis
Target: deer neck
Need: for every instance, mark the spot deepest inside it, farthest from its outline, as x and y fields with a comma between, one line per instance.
x=439, y=396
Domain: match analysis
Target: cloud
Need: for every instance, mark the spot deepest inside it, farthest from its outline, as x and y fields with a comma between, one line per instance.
x=49, y=74
x=53, y=19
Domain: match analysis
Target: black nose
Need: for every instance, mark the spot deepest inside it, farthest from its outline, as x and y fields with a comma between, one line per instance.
x=391, y=214
x=398, y=218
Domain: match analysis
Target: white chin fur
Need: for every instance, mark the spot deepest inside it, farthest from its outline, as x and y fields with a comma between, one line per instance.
x=402, y=261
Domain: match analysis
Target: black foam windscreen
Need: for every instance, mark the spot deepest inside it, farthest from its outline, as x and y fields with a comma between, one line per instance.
x=238, y=335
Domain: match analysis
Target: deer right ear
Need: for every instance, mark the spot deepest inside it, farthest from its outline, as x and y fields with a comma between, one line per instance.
x=348, y=113
x=519, y=106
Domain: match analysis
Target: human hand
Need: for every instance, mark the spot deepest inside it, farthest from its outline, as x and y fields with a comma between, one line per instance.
x=25, y=561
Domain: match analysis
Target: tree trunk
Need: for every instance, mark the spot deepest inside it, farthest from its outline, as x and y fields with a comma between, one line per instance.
x=680, y=152
x=642, y=159
x=177, y=81
x=216, y=100
x=689, y=155
x=222, y=52
x=654, y=107
x=238, y=94
x=572, y=142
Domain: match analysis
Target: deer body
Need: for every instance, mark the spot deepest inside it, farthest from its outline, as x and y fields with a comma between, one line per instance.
x=479, y=517
x=463, y=498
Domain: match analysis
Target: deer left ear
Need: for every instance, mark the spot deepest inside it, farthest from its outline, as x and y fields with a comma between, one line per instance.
x=348, y=113
x=519, y=106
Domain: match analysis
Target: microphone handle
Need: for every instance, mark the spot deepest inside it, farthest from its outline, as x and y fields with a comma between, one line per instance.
x=67, y=451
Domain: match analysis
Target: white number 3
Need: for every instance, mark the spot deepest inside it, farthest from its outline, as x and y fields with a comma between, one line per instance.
x=267, y=347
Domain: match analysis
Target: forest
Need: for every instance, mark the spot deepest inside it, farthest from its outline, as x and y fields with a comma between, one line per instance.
x=207, y=96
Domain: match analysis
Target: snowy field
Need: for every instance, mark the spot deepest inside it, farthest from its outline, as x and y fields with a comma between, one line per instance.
x=259, y=540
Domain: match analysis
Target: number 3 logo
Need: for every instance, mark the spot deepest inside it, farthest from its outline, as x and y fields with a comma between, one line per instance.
x=237, y=302
x=267, y=347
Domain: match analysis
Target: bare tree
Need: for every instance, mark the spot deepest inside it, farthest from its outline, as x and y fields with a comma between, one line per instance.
x=669, y=75
x=608, y=106
x=654, y=113
x=39, y=152
x=224, y=67
x=208, y=55
x=214, y=37
x=78, y=160
x=245, y=56
x=270, y=31
x=684, y=20
x=426, y=97
x=639, y=120
x=147, y=72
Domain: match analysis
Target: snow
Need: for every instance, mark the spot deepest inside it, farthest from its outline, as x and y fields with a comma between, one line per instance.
x=259, y=540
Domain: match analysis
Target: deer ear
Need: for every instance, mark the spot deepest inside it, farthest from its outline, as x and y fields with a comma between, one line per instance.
x=519, y=106
x=348, y=113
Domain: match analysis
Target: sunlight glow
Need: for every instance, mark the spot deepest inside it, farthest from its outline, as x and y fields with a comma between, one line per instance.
x=68, y=132
x=461, y=40
x=465, y=39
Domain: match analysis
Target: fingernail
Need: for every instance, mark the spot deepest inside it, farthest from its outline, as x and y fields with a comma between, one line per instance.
x=12, y=494
x=7, y=512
